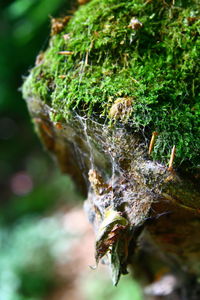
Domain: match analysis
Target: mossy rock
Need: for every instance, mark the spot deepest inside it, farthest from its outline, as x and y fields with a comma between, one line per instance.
x=146, y=51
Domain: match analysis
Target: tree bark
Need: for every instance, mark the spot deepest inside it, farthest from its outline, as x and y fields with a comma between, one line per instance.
x=161, y=206
x=110, y=78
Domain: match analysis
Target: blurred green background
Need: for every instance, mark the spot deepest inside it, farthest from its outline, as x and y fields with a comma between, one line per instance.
x=34, y=196
x=24, y=32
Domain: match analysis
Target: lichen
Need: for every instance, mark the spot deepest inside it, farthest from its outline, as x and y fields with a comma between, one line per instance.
x=156, y=64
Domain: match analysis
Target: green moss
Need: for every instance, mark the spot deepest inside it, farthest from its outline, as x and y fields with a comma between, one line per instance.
x=157, y=65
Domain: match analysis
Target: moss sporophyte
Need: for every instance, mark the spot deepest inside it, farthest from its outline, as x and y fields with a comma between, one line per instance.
x=134, y=62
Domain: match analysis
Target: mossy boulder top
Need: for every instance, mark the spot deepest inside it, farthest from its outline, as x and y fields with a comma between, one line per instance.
x=128, y=63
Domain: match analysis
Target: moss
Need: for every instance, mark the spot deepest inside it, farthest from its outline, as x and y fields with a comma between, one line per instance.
x=156, y=64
